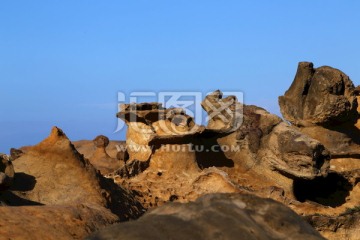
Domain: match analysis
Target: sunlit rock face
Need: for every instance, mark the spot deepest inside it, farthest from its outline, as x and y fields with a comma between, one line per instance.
x=322, y=102
x=242, y=149
x=57, y=194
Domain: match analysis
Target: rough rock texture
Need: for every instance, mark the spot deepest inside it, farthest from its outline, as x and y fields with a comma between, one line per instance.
x=322, y=102
x=78, y=199
x=6, y=172
x=53, y=222
x=101, y=159
x=263, y=155
x=87, y=148
x=319, y=96
x=216, y=216
x=102, y=153
x=262, y=152
x=224, y=113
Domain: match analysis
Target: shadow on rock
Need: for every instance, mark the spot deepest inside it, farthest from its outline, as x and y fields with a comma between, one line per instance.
x=328, y=191
x=210, y=154
x=10, y=199
x=23, y=182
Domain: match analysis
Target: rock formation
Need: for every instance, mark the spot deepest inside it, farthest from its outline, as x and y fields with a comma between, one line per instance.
x=311, y=163
x=6, y=172
x=215, y=216
x=100, y=159
x=77, y=199
x=322, y=102
x=242, y=149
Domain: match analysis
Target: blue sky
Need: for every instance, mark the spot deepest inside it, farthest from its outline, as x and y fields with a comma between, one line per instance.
x=63, y=62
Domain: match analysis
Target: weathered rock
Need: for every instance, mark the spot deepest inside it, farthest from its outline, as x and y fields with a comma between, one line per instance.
x=122, y=155
x=101, y=141
x=322, y=102
x=15, y=153
x=320, y=96
x=148, y=120
x=78, y=199
x=6, y=172
x=53, y=222
x=261, y=154
x=101, y=159
x=215, y=216
x=86, y=147
x=344, y=226
x=224, y=113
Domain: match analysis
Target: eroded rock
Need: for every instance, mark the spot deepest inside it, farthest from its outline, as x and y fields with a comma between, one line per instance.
x=6, y=172
x=77, y=199
x=320, y=96
x=215, y=216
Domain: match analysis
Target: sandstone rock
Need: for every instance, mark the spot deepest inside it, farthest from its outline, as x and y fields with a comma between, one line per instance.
x=319, y=96
x=215, y=216
x=261, y=154
x=6, y=172
x=122, y=155
x=78, y=199
x=101, y=159
x=224, y=113
x=15, y=153
x=148, y=120
x=87, y=148
x=101, y=141
x=53, y=222
x=322, y=102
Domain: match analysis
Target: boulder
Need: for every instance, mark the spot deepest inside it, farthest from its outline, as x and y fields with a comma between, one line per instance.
x=321, y=96
x=322, y=102
x=215, y=216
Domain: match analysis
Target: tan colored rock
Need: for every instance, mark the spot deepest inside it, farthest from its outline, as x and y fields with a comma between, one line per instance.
x=319, y=96
x=7, y=172
x=77, y=199
x=322, y=102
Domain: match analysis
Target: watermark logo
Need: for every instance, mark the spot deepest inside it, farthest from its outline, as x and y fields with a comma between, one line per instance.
x=184, y=109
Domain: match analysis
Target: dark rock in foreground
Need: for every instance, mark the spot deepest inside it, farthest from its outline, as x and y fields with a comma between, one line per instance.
x=216, y=216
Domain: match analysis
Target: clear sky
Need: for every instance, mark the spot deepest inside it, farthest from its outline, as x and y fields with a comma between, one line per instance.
x=62, y=62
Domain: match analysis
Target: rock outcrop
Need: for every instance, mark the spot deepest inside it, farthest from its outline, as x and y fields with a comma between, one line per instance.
x=309, y=163
x=100, y=159
x=215, y=216
x=321, y=96
x=245, y=150
x=6, y=172
x=322, y=103
x=60, y=195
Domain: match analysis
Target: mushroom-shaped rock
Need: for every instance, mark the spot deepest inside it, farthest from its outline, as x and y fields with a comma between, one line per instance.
x=147, y=121
x=101, y=159
x=101, y=141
